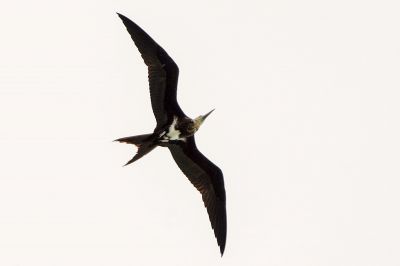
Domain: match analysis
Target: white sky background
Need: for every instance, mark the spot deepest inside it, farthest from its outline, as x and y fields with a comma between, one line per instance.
x=306, y=131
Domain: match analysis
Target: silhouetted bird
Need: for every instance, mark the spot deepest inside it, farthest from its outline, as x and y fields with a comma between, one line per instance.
x=176, y=131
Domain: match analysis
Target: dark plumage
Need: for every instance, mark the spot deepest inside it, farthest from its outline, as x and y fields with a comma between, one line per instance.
x=176, y=131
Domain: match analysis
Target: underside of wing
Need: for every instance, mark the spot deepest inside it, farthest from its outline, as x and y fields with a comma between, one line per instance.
x=208, y=180
x=163, y=73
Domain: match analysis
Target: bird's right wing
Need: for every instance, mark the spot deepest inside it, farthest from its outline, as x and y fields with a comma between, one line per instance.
x=163, y=73
x=208, y=180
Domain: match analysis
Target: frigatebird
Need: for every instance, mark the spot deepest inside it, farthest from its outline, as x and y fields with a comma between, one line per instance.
x=175, y=130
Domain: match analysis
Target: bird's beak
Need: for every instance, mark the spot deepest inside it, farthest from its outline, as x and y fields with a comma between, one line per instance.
x=200, y=119
x=203, y=117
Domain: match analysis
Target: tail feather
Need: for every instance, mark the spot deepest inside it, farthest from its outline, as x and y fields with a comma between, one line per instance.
x=142, y=151
x=144, y=143
x=136, y=140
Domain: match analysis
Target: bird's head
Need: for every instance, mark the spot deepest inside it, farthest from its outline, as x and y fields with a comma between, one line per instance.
x=200, y=119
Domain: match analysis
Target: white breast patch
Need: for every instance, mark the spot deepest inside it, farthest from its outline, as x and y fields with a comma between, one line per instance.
x=173, y=134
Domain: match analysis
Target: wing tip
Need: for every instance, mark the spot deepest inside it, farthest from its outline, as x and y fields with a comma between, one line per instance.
x=220, y=233
x=222, y=249
x=122, y=17
x=221, y=240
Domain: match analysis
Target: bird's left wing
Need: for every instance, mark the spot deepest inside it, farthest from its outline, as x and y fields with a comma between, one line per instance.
x=162, y=70
x=208, y=179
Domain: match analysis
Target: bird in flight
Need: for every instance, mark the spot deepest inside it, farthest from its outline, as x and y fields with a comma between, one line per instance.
x=175, y=130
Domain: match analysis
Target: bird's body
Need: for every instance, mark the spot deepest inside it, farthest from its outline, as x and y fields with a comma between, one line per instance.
x=175, y=130
x=178, y=130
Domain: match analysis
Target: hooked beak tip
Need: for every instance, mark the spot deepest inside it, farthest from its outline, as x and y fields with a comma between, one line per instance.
x=205, y=116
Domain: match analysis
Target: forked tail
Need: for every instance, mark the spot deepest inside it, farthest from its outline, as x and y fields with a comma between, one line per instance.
x=145, y=144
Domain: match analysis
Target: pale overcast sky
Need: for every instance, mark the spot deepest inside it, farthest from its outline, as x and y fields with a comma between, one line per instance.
x=306, y=131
